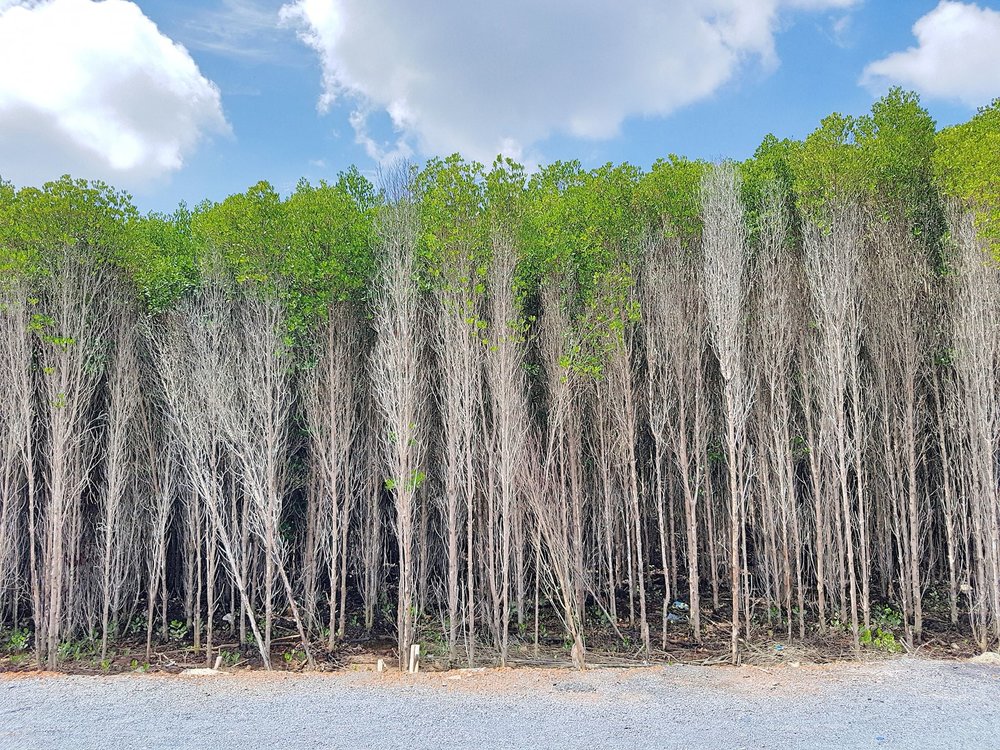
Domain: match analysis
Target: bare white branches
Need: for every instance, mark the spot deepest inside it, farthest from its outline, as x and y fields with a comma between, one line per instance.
x=725, y=283
x=398, y=383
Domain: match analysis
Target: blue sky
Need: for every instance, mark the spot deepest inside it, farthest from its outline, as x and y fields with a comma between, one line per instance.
x=185, y=100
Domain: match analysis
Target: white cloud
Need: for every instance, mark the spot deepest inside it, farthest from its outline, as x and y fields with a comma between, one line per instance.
x=822, y=4
x=957, y=56
x=479, y=78
x=840, y=29
x=94, y=89
x=241, y=29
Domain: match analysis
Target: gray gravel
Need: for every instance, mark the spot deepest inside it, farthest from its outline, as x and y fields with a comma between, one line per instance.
x=903, y=703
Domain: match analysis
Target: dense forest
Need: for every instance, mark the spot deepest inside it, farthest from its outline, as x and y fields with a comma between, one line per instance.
x=459, y=401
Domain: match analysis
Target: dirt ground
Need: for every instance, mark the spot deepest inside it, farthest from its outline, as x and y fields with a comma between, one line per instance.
x=769, y=646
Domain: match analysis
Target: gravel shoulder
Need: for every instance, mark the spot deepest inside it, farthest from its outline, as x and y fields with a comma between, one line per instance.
x=899, y=703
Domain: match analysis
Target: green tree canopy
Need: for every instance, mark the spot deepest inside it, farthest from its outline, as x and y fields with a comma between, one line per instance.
x=966, y=163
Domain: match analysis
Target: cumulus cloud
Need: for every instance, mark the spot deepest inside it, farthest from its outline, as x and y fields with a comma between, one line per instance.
x=94, y=89
x=483, y=78
x=957, y=56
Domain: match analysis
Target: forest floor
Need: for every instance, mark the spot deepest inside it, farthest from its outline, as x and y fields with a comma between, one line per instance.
x=889, y=703
x=769, y=644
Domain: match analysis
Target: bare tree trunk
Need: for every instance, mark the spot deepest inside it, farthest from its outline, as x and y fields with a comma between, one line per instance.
x=975, y=294
x=75, y=325
x=508, y=426
x=397, y=381
x=725, y=283
x=192, y=350
x=257, y=426
x=831, y=268
x=123, y=401
x=330, y=398
x=778, y=301
x=673, y=308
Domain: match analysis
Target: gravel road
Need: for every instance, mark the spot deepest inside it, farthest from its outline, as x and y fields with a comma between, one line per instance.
x=902, y=703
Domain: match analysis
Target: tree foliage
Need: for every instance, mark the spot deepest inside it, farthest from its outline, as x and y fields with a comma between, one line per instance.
x=965, y=164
